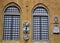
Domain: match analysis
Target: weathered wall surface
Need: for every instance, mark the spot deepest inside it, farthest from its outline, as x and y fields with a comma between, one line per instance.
x=53, y=9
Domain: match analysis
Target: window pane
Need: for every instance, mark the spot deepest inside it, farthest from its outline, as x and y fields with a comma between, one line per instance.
x=11, y=28
x=40, y=24
x=15, y=27
x=12, y=10
x=7, y=27
x=36, y=28
x=40, y=11
x=44, y=28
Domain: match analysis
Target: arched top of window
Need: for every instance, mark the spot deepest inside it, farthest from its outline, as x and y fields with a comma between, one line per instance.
x=12, y=10
x=40, y=10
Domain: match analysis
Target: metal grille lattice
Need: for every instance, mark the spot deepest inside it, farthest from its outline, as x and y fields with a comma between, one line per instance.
x=12, y=10
x=40, y=11
x=11, y=28
x=40, y=24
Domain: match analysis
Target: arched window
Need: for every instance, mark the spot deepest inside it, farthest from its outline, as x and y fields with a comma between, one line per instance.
x=11, y=23
x=40, y=23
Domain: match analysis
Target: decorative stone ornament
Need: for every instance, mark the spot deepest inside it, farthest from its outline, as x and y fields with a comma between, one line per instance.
x=56, y=29
x=26, y=27
x=55, y=20
x=26, y=38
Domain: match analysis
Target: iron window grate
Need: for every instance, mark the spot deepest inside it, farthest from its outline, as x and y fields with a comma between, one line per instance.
x=11, y=28
x=40, y=28
x=40, y=24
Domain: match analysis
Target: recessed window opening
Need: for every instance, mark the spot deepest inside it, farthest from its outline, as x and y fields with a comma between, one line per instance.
x=40, y=23
x=11, y=21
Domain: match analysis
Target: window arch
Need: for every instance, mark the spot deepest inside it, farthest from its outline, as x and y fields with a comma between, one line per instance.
x=11, y=21
x=40, y=11
x=40, y=23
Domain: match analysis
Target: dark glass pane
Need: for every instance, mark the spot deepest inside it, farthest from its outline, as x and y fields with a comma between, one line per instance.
x=11, y=28
x=40, y=24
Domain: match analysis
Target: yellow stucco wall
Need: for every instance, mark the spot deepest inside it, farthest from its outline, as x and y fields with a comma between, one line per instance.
x=53, y=9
